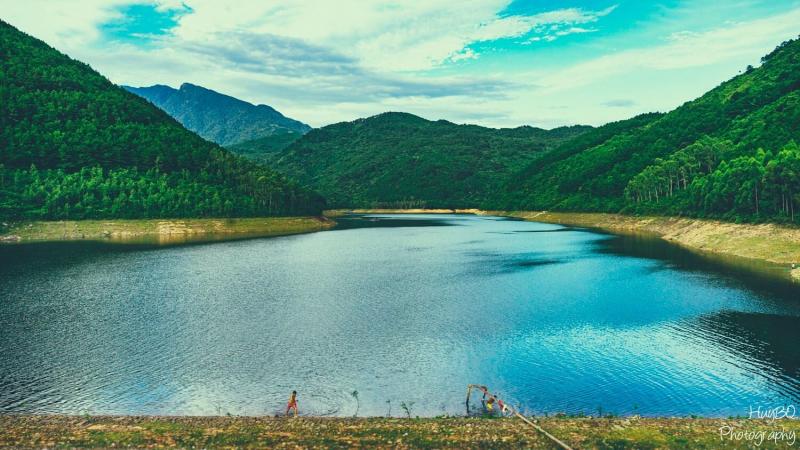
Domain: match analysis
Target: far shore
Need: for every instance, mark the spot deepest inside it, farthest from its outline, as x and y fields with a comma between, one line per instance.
x=341, y=212
x=49, y=431
x=161, y=231
x=771, y=243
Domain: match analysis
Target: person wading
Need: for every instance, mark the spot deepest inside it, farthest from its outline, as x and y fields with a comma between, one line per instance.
x=292, y=404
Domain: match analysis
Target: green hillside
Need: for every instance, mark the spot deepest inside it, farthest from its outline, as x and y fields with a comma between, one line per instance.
x=73, y=145
x=265, y=149
x=401, y=160
x=729, y=154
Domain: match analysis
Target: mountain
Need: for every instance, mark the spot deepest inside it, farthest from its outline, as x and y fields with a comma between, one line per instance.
x=266, y=148
x=73, y=145
x=217, y=117
x=729, y=154
x=398, y=159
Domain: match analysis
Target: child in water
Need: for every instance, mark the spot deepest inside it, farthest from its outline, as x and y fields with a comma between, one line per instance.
x=490, y=404
x=292, y=404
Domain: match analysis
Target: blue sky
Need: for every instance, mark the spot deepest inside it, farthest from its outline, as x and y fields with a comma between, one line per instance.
x=492, y=62
x=140, y=24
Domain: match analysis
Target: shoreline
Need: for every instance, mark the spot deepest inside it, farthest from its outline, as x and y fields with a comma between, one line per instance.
x=40, y=431
x=161, y=231
x=768, y=243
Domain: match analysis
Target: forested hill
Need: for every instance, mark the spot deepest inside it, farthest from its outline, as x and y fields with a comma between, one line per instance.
x=265, y=149
x=217, y=117
x=728, y=154
x=401, y=160
x=73, y=145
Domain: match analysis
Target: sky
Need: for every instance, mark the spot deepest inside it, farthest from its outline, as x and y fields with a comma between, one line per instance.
x=496, y=63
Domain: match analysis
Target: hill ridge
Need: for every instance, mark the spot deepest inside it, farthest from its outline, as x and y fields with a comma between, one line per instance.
x=397, y=159
x=218, y=117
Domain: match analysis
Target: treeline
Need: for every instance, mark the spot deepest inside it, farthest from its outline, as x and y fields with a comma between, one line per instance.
x=97, y=193
x=73, y=145
x=765, y=185
x=667, y=176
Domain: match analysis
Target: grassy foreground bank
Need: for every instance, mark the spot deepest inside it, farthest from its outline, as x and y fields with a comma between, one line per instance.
x=205, y=432
x=162, y=230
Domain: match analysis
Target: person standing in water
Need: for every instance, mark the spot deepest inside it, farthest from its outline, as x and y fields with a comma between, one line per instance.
x=292, y=404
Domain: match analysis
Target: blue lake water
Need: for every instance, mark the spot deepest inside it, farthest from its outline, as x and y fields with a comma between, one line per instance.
x=403, y=309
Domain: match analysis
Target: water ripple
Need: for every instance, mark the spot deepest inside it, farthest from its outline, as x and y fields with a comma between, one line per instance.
x=401, y=310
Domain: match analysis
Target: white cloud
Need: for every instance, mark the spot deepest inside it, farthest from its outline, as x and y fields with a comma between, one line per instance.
x=381, y=35
x=556, y=33
x=324, y=61
x=66, y=25
x=574, y=30
x=517, y=26
x=170, y=5
x=745, y=41
x=466, y=53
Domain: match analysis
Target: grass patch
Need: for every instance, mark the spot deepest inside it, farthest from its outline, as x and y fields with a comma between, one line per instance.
x=378, y=432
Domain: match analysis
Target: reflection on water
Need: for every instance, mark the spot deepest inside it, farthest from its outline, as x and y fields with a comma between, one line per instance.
x=397, y=221
x=751, y=273
x=402, y=309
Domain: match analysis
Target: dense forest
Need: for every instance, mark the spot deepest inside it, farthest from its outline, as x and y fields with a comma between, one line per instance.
x=401, y=160
x=730, y=154
x=267, y=148
x=73, y=145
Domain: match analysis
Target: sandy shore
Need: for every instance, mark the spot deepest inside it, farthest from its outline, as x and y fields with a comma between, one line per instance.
x=454, y=432
x=162, y=231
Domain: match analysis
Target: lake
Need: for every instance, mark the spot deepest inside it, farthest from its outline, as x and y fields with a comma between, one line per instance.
x=403, y=309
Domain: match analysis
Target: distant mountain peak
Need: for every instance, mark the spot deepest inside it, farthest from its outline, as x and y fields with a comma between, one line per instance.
x=218, y=117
